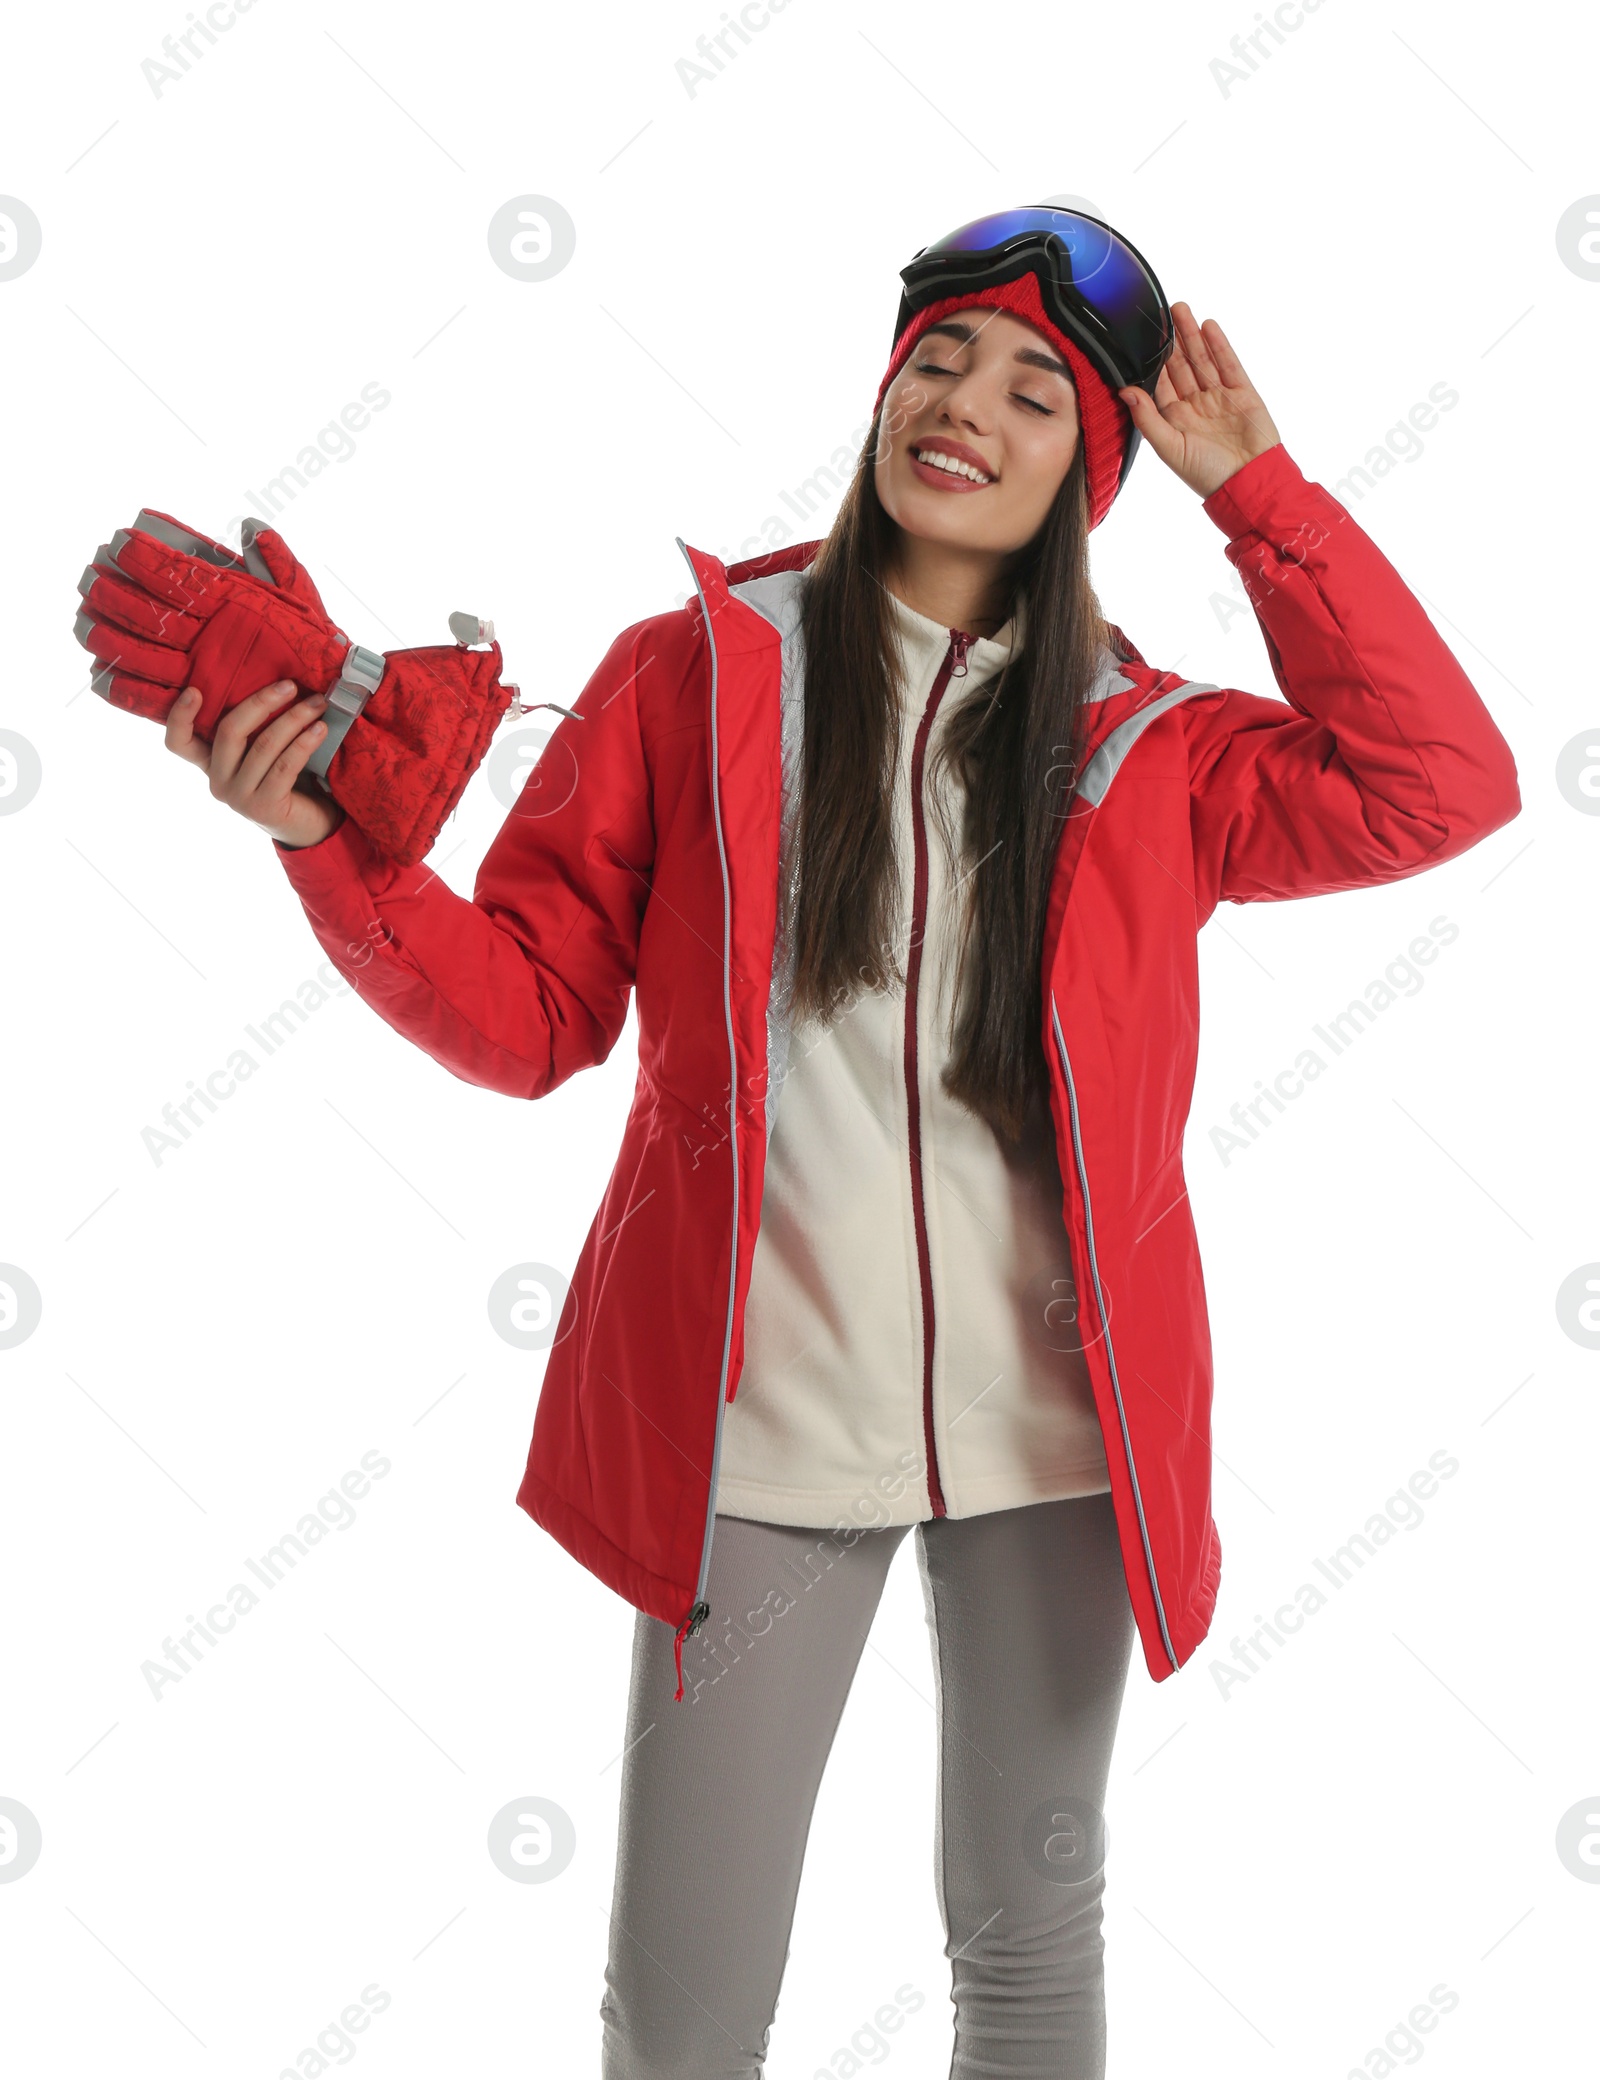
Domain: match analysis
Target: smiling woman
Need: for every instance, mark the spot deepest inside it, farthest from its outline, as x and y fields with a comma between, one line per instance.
x=902, y=849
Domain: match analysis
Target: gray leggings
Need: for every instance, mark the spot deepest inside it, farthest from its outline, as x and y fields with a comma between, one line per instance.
x=1031, y=1636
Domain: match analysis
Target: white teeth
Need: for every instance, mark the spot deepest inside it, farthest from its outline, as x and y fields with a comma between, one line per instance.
x=935, y=459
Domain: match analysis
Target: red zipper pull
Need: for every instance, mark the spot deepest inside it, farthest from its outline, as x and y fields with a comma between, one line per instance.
x=695, y=1619
x=960, y=643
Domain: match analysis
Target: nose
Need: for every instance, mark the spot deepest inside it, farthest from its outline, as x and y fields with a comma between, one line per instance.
x=969, y=402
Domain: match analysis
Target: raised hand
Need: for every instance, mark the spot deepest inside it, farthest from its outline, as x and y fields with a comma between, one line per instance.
x=1206, y=419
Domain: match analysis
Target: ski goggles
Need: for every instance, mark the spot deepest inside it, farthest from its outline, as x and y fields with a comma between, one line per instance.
x=1097, y=287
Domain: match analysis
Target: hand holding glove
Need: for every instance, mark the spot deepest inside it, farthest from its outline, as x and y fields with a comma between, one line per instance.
x=166, y=608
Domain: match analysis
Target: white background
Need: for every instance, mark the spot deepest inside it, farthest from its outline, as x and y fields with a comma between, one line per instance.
x=225, y=264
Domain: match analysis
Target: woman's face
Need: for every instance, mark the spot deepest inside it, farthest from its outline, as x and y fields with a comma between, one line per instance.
x=984, y=389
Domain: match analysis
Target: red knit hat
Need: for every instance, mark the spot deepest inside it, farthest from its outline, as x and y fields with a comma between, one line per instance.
x=1104, y=419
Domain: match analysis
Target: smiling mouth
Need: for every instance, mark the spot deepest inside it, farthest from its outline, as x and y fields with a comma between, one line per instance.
x=935, y=459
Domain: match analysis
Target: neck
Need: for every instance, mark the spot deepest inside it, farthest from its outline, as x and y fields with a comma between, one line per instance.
x=957, y=587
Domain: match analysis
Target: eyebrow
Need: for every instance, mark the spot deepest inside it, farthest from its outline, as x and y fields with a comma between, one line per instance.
x=1034, y=357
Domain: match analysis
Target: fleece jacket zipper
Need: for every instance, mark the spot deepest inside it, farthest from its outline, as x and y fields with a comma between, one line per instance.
x=954, y=665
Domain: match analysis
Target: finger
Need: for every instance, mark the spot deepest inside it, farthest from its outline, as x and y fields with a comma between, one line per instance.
x=156, y=662
x=230, y=740
x=109, y=596
x=181, y=736
x=1150, y=424
x=267, y=799
x=1138, y=402
x=277, y=783
x=135, y=696
x=1228, y=364
x=183, y=581
x=269, y=743
x=1196, y=348
x=177, y=536
x=288, y=573
x=235, y=729
x=1176, y=369
x=1167, y=392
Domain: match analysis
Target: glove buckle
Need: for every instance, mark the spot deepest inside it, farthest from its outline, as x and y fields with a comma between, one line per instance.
x=358, y=681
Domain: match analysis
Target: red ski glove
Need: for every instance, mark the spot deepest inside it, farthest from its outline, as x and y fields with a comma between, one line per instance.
x=168, y=608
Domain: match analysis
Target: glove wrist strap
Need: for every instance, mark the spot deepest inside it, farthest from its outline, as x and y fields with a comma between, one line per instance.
x=357, y=682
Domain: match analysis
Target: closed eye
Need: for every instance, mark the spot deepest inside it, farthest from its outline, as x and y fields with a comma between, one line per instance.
x=932, y=368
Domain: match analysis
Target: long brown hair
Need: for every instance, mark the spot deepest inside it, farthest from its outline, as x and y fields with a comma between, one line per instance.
x=1015, y=747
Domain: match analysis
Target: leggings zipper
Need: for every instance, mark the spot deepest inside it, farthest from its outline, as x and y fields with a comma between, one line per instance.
x=954, y=665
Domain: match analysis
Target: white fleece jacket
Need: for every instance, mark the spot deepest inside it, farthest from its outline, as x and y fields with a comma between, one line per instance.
x=827, y=1422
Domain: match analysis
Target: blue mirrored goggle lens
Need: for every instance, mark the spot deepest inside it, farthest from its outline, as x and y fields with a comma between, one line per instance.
x=1104, y=272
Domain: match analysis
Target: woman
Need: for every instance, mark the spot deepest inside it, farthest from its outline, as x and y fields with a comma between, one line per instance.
x=903, y=850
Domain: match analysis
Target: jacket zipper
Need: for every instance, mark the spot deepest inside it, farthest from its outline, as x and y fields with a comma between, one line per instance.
x=1105, y=1325
x=700, y=1609
x=954, y=665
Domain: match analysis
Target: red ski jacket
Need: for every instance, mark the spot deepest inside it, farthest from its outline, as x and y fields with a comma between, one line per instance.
x=658, y=873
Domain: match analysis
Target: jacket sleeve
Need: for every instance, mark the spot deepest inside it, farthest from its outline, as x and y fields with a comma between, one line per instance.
x=529, y=981
x=1385, y=760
